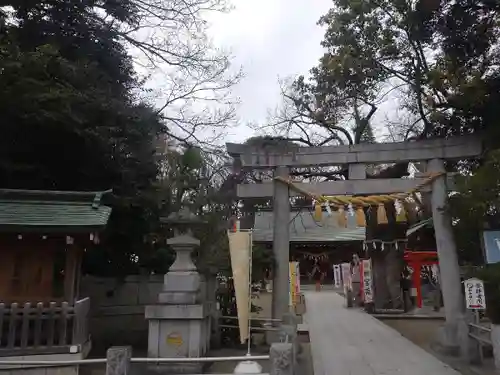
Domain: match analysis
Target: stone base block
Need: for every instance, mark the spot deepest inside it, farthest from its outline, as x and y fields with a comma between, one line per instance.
x=176, y=312
x=453, y=340
x=178, y=298
x=178, y=338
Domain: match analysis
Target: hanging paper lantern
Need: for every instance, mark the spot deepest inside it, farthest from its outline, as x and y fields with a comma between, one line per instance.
x=381, y=214
x=318, y=212
x=360, y=217
x=400, y=212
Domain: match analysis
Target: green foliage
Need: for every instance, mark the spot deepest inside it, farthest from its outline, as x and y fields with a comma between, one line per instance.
x=71, y=121
x=262, y=263
x=480, y=192
x=441, y=56
x=476, y=207
x=230, y=336
x=440, y=61
x=74, y=117
x=490, y=275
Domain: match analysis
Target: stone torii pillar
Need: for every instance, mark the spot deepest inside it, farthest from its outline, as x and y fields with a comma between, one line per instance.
x=454, y=334
x=281, y=244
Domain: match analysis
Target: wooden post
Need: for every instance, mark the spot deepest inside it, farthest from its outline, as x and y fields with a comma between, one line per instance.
x=12, y=326
x=25, y=325
x=455, y=325
x=118, y=360
x=70, y=273
x=80, y=321
x=281, y=245
x=417, y=282
x=63, y=323
x=37, y=336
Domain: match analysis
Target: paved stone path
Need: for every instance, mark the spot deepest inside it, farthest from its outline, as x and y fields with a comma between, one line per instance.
x=351, y=342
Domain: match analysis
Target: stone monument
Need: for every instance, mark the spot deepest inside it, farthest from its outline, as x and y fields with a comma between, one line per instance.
x=179, y=324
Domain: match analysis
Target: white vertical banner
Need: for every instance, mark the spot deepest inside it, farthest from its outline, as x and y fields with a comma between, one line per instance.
x=337, y=276
x=367, y=280
x=346, y=276
x=240, y=247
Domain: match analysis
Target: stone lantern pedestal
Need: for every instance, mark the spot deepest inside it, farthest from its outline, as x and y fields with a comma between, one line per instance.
x=179, y=324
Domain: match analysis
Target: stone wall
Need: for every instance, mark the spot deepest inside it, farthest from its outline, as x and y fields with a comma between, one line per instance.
x=117, y=308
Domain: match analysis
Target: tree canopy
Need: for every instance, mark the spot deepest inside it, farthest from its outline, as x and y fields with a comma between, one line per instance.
x=438, y=65
x=77, y=112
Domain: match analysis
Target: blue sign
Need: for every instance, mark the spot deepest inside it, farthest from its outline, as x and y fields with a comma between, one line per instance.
x=491, y=246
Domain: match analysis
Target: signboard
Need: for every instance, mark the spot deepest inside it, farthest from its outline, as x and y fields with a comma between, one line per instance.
x=367, y=281
x=337, y=276
x=491, y=246
x=474, y=294
x=346, y=276
x=174, y=339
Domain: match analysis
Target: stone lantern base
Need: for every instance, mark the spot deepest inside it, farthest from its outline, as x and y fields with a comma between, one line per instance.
x=178, y=331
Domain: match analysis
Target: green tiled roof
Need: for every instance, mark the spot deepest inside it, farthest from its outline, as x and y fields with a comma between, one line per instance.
x=303, y=228
x=33, y=210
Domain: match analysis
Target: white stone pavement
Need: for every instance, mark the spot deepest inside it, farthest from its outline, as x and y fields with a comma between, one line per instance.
x=351, y=342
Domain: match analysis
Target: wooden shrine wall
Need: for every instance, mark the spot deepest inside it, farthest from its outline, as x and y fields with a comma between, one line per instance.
x=28, y=271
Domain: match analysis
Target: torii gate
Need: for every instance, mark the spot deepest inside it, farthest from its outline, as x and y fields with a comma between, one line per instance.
x=433, y=152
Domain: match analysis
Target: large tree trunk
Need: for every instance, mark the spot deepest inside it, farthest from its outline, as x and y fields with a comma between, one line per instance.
x=380, y=282
x=387, y=271
x=393, y=274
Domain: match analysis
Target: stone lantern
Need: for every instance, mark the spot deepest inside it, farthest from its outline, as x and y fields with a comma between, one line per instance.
x=179, y=324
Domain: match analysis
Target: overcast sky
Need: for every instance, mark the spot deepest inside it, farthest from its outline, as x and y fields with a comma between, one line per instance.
x=270, y=39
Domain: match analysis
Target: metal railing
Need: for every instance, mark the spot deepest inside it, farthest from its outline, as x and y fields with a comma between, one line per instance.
x=282, y=356
x=255, y=329
x=93, y=361
x=481, y=338
x=256, y=319
x=282, y=359
x=119, y=359
x=265, y=328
